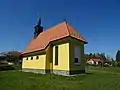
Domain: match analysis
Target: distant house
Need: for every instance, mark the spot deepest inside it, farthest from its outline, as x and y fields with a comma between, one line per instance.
x=14, y=53
x=107, y=63
x=58, y=50
x=94, y=61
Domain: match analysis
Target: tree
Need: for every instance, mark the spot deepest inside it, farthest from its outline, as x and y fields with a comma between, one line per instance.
x=86, y=56
x=103, y=57
x=94, y=56
x=118, y=56
x=90, y=55
x=108, y=58
x=113, y=62
x=12, y=56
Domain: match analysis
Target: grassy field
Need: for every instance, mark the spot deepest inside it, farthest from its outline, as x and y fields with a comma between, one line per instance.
x=95, y=79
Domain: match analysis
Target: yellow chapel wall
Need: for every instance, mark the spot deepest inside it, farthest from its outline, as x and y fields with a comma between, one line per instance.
x=35, y=63
x=63, y=57
x=75, y=43
x=49, y=57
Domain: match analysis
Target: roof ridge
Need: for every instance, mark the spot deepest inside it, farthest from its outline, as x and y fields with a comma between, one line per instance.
x=67, y=27
x=51, y=27
x=75, y=32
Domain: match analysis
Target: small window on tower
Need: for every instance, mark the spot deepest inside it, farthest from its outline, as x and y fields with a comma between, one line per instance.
x=37, y=57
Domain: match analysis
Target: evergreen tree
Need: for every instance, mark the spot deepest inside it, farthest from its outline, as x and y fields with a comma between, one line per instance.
x=103, y=57
x=108, y=58
x=118, y=56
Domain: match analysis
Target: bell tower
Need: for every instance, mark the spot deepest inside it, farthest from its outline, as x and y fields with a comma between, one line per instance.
x=38, y=28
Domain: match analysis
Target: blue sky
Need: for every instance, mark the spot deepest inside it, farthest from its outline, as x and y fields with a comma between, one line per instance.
x=96, y=20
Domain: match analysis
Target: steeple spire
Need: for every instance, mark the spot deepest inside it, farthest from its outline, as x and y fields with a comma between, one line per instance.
x=38, y=27
x=39, y=20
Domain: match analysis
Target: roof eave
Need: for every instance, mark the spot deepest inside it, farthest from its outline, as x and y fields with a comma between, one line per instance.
x=85, y=42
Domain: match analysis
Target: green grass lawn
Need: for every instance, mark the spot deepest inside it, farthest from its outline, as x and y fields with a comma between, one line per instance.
x=96, y=79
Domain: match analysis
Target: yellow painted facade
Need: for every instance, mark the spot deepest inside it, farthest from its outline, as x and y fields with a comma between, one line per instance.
x=74, y=43
x=35, y=63
x=65, y=57
x=49, y=58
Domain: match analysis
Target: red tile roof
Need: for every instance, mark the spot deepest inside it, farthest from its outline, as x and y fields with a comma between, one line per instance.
x=57, y=32
x=14, y=53
x=95, y=59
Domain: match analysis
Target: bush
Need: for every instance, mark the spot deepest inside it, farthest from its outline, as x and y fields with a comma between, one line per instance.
x=17, y=67
x=9, y=67
x=118, y=64
x=6, y=67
